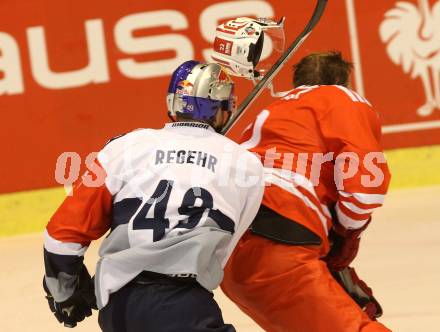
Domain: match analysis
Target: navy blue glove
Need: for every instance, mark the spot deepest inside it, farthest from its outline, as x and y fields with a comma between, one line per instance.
x=77, y=307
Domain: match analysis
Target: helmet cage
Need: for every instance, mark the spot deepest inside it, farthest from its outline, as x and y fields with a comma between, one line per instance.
x=241, y=43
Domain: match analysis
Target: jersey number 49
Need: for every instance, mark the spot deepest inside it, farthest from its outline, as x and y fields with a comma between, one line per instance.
x=193, y=213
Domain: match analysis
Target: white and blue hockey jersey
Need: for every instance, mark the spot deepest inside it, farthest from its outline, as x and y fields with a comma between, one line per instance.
x=176, y=200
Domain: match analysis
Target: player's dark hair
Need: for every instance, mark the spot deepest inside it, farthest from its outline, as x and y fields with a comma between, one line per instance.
x=326, y=68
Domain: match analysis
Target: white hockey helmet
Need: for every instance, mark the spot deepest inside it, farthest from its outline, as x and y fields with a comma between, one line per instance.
x=239, y=44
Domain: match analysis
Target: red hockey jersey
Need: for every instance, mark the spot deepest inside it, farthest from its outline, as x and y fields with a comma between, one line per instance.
x=320, y=146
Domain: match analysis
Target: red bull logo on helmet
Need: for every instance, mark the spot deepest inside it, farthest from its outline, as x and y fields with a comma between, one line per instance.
x=184, y=87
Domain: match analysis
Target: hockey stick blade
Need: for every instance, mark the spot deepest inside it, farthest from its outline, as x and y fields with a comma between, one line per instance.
x=267, y=79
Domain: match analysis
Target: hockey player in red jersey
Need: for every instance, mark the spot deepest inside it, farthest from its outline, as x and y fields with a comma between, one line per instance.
x=325, y=174
x=176, y=201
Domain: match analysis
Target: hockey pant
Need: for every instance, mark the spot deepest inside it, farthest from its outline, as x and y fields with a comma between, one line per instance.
x=162, y=305
x=286, y=288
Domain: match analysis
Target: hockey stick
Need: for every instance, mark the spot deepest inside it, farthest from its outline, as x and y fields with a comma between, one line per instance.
x=267, y=79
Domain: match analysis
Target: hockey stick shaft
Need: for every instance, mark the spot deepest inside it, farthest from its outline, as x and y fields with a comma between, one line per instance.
x=267, y=79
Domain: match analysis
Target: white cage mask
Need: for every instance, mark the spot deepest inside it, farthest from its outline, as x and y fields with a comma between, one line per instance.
x=240, y=43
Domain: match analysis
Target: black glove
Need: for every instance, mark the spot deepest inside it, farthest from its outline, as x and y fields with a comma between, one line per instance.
x=77, y=307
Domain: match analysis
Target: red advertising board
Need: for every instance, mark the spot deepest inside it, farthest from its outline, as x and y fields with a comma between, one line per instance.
x=399, y=47
x=74, y=74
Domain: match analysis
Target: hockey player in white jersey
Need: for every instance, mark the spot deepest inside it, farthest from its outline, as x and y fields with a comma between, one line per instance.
x=176, y=201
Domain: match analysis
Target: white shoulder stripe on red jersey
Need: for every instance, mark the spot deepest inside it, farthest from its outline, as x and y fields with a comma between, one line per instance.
x=289, y=186
x=355, y=208
x=353, y=95
x=365, y=198
x=62, y=248
x=296, y=178
x=326, y=211
x=300, y=91
x=348, y=222
x=256, y=131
